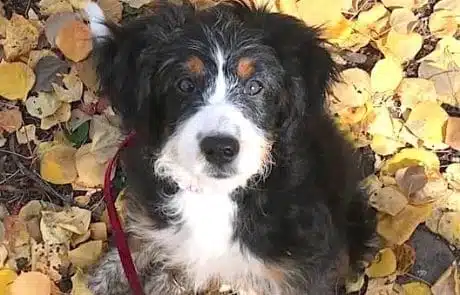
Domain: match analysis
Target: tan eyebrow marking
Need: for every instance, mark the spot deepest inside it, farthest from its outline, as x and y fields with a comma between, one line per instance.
x=195, y=65
x=245, y=68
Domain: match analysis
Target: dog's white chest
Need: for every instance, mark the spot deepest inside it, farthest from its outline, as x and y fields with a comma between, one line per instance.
x=204, y=244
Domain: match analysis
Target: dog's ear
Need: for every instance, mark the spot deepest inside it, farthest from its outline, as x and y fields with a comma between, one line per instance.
x=124, y=55
x=309, y=66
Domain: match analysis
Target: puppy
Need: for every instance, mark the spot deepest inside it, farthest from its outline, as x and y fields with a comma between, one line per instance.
x=236, y=174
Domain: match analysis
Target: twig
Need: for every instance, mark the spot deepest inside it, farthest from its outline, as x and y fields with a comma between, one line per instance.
x=34, y=176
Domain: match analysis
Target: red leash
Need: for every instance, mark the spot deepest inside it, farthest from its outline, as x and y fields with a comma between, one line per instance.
x=120, y=239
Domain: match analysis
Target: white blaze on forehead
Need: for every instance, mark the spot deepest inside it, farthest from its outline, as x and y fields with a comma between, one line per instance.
x=220, y=84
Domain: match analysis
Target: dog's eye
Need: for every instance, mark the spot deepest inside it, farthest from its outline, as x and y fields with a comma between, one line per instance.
x=253, y=87
x=186, y=85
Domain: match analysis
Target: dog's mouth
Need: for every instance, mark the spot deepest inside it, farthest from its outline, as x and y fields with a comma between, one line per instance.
x=221, y=172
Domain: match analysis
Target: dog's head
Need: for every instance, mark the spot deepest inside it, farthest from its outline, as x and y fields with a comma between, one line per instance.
x=212, y=90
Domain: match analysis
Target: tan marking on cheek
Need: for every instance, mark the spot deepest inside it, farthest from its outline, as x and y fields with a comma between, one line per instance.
x=275, y=273
x=245, y=68
x=195, y=65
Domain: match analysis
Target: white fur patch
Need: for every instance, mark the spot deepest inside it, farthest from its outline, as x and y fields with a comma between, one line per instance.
x=220, y=84
x=96, y=20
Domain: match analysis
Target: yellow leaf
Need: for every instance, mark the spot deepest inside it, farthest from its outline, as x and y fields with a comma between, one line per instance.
x=442, y=23
x=416, y=288
x=61, y=115
x=452, y=175
x=411, y=157
x=403, y=20
x=21, y=37
x=374, y=22
x=98, y=231
x=48, y=7
x=74, y=40
x=398, y=229
x=43, y=105
x=388, y=200
x=353, y=90
x=412, y=91
x=86, y=254
x=7, y=277
x=57, y=165
x=453, y=133
x=90, y=171
x=435, y=188
x=449, y=227
x=72, y=89
x=402, y=47
x=446, y=53
x=386, y=75
x=426, y=121
x=80, y=284
x=314, y=14
x=29, y=283
x=382, y=123
x=384, y=264
x=17, y=80
x=385, y=146
x=350, y=37
x=288, y=7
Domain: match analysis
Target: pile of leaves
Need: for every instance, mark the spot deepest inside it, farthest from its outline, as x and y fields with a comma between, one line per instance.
x=399, y=100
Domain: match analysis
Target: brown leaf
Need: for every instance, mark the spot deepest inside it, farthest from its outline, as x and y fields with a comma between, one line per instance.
x=10, y=120
x=113, y=9
x=74, y=40
x=452, y=137
x=31, y=283
x=98, y=231
x=51, y=7
x=411, y=179
x=47, y=70
x=405, y=257
x=55, y=23
x=388, y=200
x=435, y=188
x=21, y=37
x=87, y=74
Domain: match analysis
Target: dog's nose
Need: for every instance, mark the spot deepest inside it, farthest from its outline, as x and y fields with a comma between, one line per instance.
x=219, y=149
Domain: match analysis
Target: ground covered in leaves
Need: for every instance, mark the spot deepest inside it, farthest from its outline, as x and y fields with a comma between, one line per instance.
x=398, y=102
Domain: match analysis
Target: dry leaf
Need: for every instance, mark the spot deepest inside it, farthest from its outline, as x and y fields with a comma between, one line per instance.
x=113, y=9
x=10, y=120
x=31, y=283
x=61, y=115
x=80, y=284
x=26, y=134
x=446, y=54
x=21, y=37
x=442, y=23
x=74, y=40
x=47, y=72
x=36, y=55
x=105, y=138
x=446, y=283
x=449, y=227
x=403, y=20
x=48, y=7
x=7, y=277
x=137, y=3
x=288, y=7
x=354, y=286
x=411, y=179
x=90, y=171
x=401, y=47
x=426, y=121
x=314, y=14
x=453, y=133
x=384, y=264
x=354, y=88
x=386, y=75
x=388, y=200
x=435, y=188
x=416, y=288
x=411, y=4
x=405, y=257
x=3, y=255
x=55, y=22
x=82, y=200
x=72, y=90
x=373, y=22
x=17, y=80
x=412, y=91
x=43, y=105
x=87, y=74
x=382, y=286
x=57, y=165
x=98, y=231
x=411, y=157
x=77, y=118
x=382, y=123
x=452, y=175
x=86, y=254
x=75, y=220
x=398, y=229
x=385, y=146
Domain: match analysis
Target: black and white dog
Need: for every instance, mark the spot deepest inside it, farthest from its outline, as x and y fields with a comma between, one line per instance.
x=236, y=175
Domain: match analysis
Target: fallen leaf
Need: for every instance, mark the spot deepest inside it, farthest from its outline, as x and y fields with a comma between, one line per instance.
x=51, y=7
x=442, y=23
x=386, y=75
x=288, y=7
x=77, y=118
x=385, y=146
x=452, y=175
x=446, y=55
x=388, y=200
x=74, y=40
x=43, y=105
x=412, y=91
x=98, y=231
x=36, y=55
x=105, y=138
x=21, y=37
x=10, y=120
x=416, y=288
x=354, y=88
x=355, y=286
x=7, y=277
x=401, y=47
x=47, y=72
x=3, y=255
x=405, y=257
x=411, y=157
x=426, y=121
x=17, y=238
x=56, y=22
x=80, y=284
x=75, y=220
x=82, y=200
x=382, y=286
x=411, y=4
x=57, y=165
x=31, y=283
x=113, y=9
x=26, y=134
x=434, y=189
x=86, y=254
x=17, y=80
x=403, y=20
x=314, y=14
x=87, y=73
x=384, y=264
x=78, y=239
x=373, y=22
x=71, y=91
x=398, y=229
x=90, y=171
x=452, y=137
x=449, y=227
x=136, y=3
x=446, y=283
x=61, y=115
x=411, y=179
x=382, y=123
